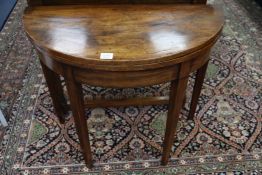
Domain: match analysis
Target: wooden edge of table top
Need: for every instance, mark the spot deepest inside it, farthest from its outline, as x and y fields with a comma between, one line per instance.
x=138, y=35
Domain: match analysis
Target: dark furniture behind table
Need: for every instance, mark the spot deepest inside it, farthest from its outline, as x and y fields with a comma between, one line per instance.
x=259, y=2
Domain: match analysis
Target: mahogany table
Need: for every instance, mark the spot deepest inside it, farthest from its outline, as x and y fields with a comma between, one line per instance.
x=123, y=46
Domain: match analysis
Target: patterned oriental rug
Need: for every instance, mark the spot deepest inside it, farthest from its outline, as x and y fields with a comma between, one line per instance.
x=224, y=138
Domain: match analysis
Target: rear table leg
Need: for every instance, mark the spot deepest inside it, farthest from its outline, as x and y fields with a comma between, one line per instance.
x=56, y=92
x=199, y=80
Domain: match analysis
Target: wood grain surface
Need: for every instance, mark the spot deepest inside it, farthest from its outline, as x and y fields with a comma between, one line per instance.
x=74, y=2
x=135, y=34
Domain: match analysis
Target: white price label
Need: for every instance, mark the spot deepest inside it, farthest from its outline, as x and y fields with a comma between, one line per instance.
x=106, y=56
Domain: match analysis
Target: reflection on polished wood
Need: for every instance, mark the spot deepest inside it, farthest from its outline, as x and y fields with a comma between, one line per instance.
x=151, y=44
x=140, y=36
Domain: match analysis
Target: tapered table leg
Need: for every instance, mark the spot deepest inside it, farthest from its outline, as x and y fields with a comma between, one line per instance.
x=199, y=80
x=56, y=92
x=177, y=94
x=77, y=105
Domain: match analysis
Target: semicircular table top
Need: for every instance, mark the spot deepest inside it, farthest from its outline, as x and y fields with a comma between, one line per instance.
x=135, y=34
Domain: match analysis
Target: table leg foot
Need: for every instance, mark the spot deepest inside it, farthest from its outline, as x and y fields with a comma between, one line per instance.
x=200, y=76
x=177, y=94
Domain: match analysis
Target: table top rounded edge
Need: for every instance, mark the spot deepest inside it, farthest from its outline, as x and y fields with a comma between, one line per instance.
x=121, y=65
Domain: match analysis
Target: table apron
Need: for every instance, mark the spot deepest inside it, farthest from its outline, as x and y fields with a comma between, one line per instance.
x=126, y=79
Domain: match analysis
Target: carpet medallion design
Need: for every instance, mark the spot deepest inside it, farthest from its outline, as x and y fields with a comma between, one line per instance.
x=225, y=135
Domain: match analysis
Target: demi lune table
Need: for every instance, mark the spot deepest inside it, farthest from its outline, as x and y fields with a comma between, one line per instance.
x=123, y=46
